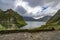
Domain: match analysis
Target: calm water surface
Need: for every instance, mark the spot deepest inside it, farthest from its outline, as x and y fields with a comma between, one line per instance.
x=33, y=24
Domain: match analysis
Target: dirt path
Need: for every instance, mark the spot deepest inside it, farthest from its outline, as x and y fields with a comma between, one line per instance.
x=50, y=35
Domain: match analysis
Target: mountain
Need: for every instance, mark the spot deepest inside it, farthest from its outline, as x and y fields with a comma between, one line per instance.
x=55, y=18
x=41, y=19
x=28, y=18
x=52, y=24
x=10, y=20
x=45, y=18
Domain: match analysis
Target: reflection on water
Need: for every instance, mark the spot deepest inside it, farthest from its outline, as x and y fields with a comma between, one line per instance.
x=33, y=24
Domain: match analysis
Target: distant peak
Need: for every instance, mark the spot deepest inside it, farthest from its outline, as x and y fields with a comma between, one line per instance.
x=10, y=10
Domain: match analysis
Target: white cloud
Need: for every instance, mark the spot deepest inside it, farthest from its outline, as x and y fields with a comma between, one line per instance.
x=57, y=6
x=49, y=11
x=38, y=17
x=52, y=10
x=36, y=11
x=49, y=4
x=28, y=8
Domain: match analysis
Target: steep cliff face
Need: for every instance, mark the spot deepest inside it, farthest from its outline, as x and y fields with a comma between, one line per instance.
x=11, y=20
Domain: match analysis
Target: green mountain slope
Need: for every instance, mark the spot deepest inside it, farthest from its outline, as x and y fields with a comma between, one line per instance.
x=52, y=24
x=55, y=18
x=10, y=20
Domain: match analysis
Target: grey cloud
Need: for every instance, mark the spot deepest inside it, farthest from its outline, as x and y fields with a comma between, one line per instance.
x=6, y=4
x=34, y=3
x=49, y=1
x=21, y=10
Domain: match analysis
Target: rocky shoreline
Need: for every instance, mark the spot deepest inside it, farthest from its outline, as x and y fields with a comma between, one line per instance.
x=46, y=35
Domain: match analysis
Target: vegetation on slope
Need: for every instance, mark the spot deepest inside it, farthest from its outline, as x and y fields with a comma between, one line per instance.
x=52, y=24
x=10, y=20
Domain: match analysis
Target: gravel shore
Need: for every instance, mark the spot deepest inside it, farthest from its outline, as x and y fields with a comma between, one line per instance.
x=48, y=35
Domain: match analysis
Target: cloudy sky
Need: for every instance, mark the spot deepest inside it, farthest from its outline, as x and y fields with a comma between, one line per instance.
x=32, y=8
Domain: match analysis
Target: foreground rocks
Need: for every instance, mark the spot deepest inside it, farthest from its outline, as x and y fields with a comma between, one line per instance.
x=49, y=35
